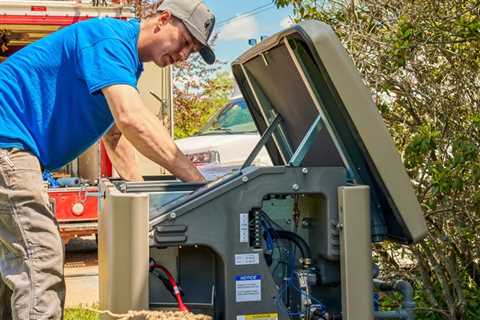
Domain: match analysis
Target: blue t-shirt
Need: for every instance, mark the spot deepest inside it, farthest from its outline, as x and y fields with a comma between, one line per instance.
x=50, y=91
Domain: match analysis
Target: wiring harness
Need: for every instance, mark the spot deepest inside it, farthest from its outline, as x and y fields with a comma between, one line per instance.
x=280, y=251
x=169, y=282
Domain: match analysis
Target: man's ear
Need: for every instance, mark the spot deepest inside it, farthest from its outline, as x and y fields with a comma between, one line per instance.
x=164, y=18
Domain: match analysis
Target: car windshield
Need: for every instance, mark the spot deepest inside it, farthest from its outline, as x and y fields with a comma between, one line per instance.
x=234, y=118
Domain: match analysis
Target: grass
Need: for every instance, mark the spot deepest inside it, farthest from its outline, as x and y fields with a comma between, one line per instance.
x=80, y=313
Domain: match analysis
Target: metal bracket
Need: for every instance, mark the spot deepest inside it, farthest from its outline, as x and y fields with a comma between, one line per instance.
x=262, y=142
x=307, y=142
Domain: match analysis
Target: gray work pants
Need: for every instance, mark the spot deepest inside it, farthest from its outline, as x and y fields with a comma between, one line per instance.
x=32, y=285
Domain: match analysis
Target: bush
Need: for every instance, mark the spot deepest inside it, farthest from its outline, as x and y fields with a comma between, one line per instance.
x=421, y=60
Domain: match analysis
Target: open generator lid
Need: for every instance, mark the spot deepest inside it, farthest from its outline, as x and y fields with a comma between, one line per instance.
x=304, y=76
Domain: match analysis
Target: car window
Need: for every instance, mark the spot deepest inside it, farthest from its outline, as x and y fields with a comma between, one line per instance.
x=233, y=118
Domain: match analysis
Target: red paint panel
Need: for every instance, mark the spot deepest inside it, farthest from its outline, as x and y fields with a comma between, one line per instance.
x=38, y=8
x=40, y=20
x=64, y=200
x=105, y=163
x=43, y=20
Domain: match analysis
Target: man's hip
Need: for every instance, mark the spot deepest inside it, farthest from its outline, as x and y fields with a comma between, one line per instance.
x=31, y=250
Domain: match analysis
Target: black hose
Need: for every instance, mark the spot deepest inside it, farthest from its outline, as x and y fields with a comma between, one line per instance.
x=295, y=238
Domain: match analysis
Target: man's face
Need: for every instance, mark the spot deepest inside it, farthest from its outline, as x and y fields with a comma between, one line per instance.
x=172, y=42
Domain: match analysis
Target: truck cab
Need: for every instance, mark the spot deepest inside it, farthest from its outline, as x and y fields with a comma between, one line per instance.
x=73, y=190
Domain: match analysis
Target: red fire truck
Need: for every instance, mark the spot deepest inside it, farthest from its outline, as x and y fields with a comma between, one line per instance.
x=23, y=22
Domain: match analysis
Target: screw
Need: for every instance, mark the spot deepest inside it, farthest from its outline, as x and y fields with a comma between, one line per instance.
x=339, y=226
x=245, y=179
x=306, y=223
x=173, y=215
x=304, y=170
x=295, y=187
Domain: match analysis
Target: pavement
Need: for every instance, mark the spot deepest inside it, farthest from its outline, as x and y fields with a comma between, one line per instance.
x=81, y=272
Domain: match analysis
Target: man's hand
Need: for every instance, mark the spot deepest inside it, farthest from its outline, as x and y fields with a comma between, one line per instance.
x=142, y=128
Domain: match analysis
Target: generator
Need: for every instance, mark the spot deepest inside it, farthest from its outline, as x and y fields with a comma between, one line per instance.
x=287, y=241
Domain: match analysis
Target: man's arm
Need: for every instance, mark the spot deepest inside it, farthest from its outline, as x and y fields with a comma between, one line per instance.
x=122, y=154
x=145, y=131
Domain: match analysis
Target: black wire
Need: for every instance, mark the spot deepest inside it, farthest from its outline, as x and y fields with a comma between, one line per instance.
x=296, y=239
x=293, y=237
x=249, y=13
x=244, y=13
x=279, y=263
x=164, y=280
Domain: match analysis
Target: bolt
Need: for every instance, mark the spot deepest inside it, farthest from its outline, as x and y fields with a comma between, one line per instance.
x=304, y=170
x=245, y=179
x=173, y=215
x=339, y=226
x=295, y=187
x=306, y=223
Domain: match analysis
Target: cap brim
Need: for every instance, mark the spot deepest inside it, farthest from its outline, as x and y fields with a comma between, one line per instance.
x=208, y=55
x=206, y=51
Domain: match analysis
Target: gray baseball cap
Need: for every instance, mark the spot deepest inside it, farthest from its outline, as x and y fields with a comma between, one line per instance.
x=197, y=18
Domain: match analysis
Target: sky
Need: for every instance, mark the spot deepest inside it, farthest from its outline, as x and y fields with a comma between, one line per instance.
x=240, y=20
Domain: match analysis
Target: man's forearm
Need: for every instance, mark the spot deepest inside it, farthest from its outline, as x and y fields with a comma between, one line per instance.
x=122, y=154
x=143, y=132
x=146, y=132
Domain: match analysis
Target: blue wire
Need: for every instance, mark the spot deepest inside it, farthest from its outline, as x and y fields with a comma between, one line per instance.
x=309, y=296
x=269, y=230
x=279, y=298
x=290, y=283
x=284, y=288
x=269, y=236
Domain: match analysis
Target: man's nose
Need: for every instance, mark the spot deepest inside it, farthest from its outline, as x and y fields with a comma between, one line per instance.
x=184, y=54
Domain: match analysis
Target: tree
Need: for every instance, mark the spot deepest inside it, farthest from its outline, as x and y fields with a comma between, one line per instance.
x=421, y=60
x=199, y=91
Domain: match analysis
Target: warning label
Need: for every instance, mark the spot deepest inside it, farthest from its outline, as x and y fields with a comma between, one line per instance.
x=259, y=316
x=247, y=258
x=244, y=227
x=248, y=288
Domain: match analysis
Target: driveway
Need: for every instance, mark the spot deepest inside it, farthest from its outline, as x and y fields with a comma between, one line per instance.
x=81, y=272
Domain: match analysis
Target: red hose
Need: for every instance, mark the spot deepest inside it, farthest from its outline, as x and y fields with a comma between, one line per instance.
x=178, y=296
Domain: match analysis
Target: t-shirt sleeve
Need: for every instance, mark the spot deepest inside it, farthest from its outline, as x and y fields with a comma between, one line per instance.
x=105, y=63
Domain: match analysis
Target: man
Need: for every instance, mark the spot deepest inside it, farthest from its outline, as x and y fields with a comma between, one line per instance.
x=57, y=97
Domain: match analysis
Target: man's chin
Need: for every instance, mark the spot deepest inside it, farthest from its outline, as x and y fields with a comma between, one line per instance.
x=161, y=63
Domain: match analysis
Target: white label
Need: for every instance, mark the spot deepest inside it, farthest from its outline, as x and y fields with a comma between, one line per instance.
x=247, y=258
x=244, y=227
x=248, y=288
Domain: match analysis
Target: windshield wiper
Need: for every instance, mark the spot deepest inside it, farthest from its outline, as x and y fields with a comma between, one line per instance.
x=217, y=131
